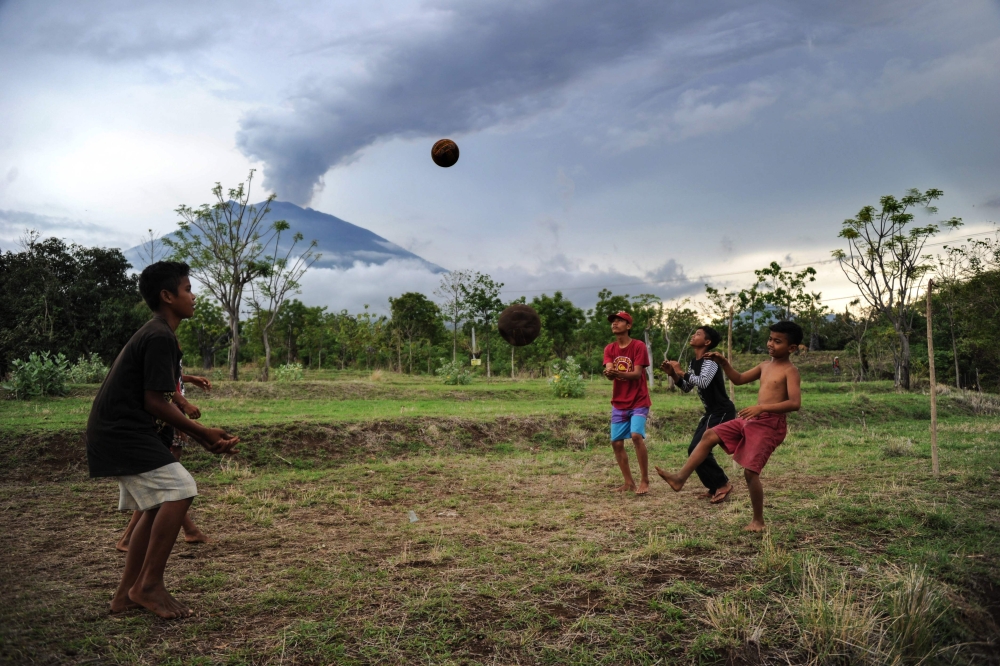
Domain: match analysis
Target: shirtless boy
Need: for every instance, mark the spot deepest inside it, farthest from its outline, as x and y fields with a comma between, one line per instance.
x=756, y=433
x=123, y=440
x=625, y=361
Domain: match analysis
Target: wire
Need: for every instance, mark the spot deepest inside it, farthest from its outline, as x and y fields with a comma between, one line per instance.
x=700, y=278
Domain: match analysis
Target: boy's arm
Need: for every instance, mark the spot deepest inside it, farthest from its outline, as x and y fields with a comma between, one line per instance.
x=201, y=382
x=191, y=411
x=618, y=374
x=792, y=404
x=215, y=440
x=735, y=376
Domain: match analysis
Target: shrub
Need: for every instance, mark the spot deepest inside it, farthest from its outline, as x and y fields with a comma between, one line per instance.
x=288, y=372
x=88, y=370
x=453, y=373
x=41, y=374
x=566, y=380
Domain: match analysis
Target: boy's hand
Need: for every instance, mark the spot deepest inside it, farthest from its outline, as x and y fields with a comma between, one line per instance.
x=201, y=382
x=191, y=411
x=217, y=440
x=718, y=358
x=667, y=368
x=678, y=371
x=750, y=413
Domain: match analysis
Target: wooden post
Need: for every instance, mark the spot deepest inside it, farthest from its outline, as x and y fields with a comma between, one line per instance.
x=930, y=366
x=729, y=354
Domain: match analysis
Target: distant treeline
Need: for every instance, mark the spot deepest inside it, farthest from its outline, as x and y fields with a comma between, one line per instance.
x=76, y=300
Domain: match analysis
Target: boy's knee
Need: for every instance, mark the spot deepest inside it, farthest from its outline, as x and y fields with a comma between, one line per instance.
x=637, y=438
x=618, y=444
x=750, y=475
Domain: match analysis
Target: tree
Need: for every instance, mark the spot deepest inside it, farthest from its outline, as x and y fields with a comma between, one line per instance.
x=561, y=319
x=884, y=261
x=482, y=298
x=206, y=331
x=224, y=244
x=281, y=275
x=454, y=310
x=415, y=316
x=66, y=299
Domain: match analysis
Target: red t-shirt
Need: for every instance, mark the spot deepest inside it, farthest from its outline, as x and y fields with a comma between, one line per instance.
x=628, y=394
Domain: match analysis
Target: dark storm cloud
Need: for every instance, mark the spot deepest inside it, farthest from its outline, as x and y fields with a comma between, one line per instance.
x=488, y=64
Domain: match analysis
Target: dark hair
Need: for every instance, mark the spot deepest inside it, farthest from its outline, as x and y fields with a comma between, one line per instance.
x=159, y=276
x=714, y=337
x=790, y=329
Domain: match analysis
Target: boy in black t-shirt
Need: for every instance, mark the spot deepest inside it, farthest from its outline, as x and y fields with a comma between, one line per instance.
x=704, y=374
x=123, y=439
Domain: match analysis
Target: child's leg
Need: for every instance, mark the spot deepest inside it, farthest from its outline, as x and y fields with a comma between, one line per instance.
x=191, y=532
x=702, y=451
x=122, y=544
x=622, y=458
x=756, y=500
x=149, y=549
x=643, y=457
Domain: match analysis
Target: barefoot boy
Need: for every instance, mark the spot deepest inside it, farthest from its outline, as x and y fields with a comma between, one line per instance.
x=753, y=437
x=703, y=374
x=176, y=442
x=625, y=360
x=123, y=439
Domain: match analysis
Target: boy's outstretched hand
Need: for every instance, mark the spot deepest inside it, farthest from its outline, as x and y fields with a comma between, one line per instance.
x=190, y=411
x=217, y=440
x=201, y=382
x=717, y=357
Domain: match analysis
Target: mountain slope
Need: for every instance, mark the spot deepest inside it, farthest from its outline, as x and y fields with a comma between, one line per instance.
x=341, y=243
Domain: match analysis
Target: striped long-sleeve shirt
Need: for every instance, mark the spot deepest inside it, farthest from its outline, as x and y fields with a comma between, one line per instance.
x=704, y=375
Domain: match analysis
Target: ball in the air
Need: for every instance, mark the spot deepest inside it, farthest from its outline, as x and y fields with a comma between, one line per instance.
x=445, y=153
x=519, y=325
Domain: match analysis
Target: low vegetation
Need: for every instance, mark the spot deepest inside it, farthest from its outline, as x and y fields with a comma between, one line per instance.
x=519, y=553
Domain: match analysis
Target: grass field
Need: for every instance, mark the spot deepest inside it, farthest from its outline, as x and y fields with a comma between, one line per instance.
x=520, y=554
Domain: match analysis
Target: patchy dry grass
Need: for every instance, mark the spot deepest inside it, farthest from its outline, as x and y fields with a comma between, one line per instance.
x=520, y=555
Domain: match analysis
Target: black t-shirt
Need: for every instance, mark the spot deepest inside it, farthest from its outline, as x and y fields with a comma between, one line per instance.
x=122, y=437
x=705, y=375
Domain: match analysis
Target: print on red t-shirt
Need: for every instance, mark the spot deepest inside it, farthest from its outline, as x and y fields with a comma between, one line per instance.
x=628, y=394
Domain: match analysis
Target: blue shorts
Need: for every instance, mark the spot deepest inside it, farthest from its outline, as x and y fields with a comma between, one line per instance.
x=624, y=422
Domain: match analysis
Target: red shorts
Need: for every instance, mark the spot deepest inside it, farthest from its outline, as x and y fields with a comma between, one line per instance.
x=752, y=442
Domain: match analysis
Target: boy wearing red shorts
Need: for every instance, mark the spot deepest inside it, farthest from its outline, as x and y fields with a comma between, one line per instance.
x=756, y=433
x=625, y=361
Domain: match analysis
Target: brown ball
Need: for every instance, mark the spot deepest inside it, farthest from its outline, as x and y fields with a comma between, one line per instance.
x=519, y=325
x=445, y=153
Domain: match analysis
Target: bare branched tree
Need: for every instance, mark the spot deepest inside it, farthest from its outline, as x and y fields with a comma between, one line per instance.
x=885, y=261
x=150, y=247
x=280, y=278
x=224, y=244
x=453, y=306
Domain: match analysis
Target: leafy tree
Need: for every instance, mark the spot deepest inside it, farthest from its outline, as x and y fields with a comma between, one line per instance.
x=224, y=243
x=415, y=316
x=206, y=331
x=885, y=261
x=483, y=304
x=561, y=319
x=81, y=300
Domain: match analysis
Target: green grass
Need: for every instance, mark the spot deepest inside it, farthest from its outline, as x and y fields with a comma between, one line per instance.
x=520, y=553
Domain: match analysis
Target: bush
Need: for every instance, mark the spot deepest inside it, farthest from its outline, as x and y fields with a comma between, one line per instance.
x=453, y=374
x=288, y=372
x=41, y=374
x=88, y=370
x=566, y=380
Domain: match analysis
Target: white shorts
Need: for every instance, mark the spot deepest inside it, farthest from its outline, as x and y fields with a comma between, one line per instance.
x=149, y=490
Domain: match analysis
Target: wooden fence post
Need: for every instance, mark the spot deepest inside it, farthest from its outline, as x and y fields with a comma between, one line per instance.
x=930, y=366
x=729, y=354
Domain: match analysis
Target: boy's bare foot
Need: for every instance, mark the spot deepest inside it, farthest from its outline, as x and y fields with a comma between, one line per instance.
x=196, y=536
x=722, y=493
x=705, y=495
x=671, y=480
x=160, y=602
x=643, y=488
x=121, y=603
x=754, y=526
x=122, y=545
x=624, y=488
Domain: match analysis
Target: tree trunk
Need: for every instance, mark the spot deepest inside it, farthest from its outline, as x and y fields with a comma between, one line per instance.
x=411, y=356
x=954, y=347
x=903, y=371
x=454, y=339
x=234, y=347
x=266, y=375
x=399, y=356
x=488, y=375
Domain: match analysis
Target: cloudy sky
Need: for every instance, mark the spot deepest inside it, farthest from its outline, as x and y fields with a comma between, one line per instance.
x=645, y=146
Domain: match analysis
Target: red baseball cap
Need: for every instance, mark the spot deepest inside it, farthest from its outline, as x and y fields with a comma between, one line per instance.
x=621, y=315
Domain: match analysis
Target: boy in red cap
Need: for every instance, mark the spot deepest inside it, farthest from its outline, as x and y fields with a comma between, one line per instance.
x=625, y=360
